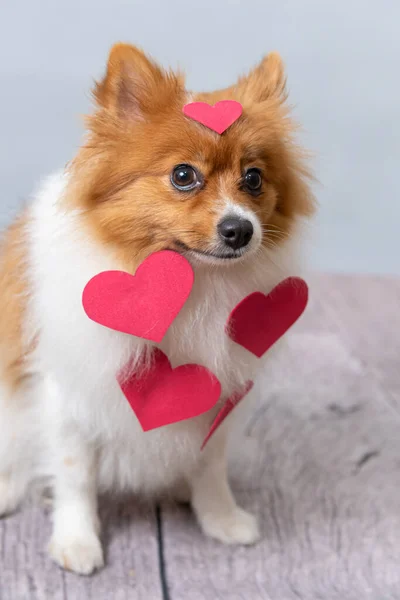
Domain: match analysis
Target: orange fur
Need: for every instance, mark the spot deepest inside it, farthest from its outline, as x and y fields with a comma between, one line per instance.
x=13, y=302
x=138, y=133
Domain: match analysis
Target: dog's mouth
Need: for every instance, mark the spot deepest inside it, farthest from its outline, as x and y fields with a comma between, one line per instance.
x=211, y=255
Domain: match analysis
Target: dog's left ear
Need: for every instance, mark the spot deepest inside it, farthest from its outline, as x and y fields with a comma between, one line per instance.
x=265, y=81
x=135, y=86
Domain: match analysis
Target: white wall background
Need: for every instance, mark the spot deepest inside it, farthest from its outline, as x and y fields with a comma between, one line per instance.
x=343, y=64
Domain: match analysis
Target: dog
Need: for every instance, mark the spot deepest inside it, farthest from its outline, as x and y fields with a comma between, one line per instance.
x=146, y=179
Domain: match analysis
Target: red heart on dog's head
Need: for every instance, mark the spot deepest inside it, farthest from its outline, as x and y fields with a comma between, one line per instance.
x=144, y=304
x=163, y=395
x=259, y=320
x=218, y=117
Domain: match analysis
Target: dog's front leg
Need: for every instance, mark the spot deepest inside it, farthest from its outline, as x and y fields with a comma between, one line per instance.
x=212, y=499
x=75, y=544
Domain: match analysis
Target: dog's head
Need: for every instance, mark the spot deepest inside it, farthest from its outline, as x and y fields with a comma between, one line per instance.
x=151, y=178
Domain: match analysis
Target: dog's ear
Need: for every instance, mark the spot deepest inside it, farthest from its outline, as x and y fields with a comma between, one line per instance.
x=134, y=85
x=266, y=80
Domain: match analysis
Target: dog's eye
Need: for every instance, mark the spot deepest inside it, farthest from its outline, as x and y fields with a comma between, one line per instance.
x=252, y=181
x=185, y=178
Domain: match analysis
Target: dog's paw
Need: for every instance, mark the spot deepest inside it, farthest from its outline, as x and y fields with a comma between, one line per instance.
x=82, y=554
x=234, y=527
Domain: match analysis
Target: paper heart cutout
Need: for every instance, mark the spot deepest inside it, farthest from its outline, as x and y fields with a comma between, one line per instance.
x=218, y=117
x=163, y=395
x=227, y=409
x=259, y=320
x=144, y=304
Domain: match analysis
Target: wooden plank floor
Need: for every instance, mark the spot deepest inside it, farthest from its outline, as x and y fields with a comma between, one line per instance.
x=318, y=461
x=132, y=572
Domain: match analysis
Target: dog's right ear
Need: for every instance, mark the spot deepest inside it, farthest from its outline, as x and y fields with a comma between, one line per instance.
x=134, y=85
x=266, y=80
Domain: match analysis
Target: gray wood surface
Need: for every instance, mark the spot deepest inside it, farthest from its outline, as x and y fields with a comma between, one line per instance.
x=130, y=535
x=318, y=460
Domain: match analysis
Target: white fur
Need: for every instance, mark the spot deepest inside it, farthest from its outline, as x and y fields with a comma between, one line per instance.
x=76, y=427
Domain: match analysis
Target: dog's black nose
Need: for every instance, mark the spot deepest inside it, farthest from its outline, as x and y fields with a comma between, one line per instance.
x=235, y=232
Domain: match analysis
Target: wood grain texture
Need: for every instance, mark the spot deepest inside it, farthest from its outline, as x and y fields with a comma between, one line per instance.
x=318, y=461
x=26, y=572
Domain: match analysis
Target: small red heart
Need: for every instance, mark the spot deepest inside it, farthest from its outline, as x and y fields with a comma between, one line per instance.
x=226, y=410
x=259, y=320
x=145, y=304
x=164, y=395
x=218, y=117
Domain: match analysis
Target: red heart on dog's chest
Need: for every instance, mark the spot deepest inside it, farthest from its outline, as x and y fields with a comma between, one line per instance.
x=144, y=304
x=163, y=395
x=218, y=117
x=259, y=320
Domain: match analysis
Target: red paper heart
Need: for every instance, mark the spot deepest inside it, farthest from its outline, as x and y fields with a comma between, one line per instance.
x=258, y=321
x=226, y=410
x=145, y=304
x=218, y=117
x=163, y=395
